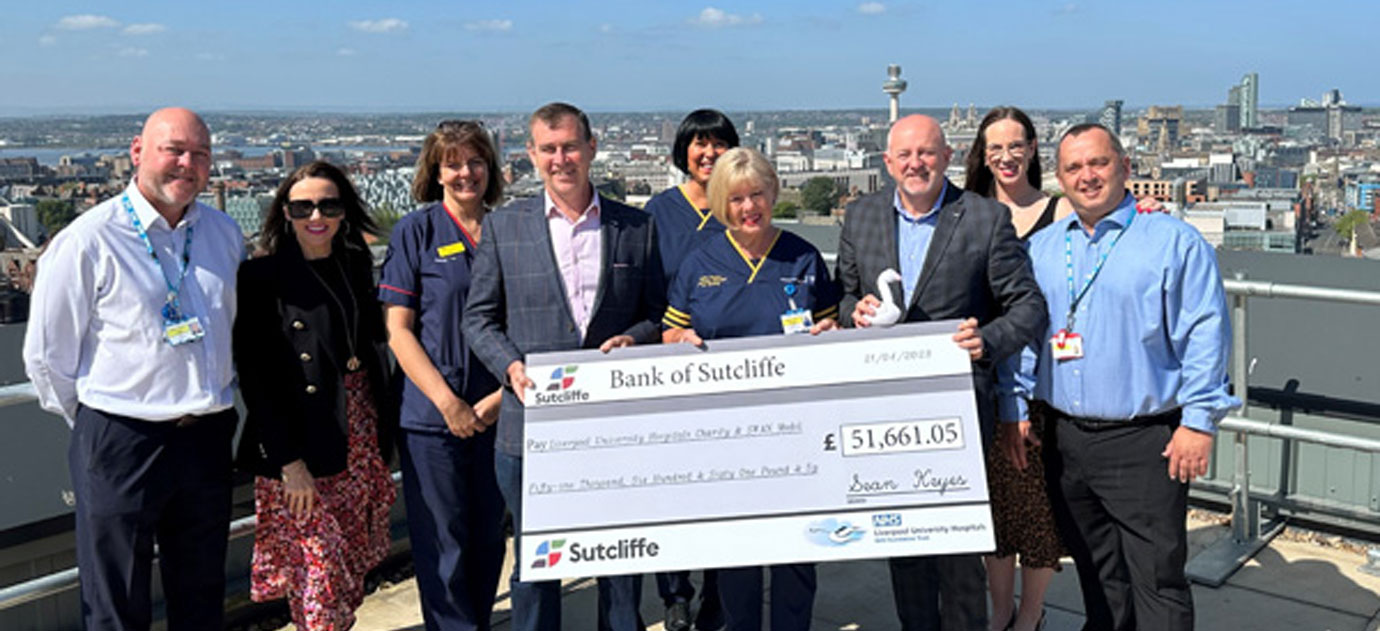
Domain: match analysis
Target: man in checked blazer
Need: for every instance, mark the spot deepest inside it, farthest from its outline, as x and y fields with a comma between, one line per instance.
x=567, y=270
x=958, y=257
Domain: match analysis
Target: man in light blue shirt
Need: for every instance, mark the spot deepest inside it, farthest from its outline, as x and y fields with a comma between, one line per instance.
x=1132, y=378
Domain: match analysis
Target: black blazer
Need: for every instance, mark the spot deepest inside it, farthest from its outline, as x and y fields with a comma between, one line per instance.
x=975, y=268
x=291, y=378
x=517, y=302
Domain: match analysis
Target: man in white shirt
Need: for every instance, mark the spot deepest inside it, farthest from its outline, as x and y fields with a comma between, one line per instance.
x=129, y=340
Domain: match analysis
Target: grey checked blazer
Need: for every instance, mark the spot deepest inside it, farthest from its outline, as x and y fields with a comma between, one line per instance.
x=517, y=301
x=975, y=268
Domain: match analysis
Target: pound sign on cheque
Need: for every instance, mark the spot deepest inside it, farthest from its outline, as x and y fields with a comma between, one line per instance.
x=829, y=442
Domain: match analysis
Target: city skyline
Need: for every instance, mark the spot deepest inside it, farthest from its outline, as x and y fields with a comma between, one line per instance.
x=88, y=57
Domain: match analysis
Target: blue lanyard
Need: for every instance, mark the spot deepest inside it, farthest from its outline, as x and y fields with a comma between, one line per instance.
x=1074, y=299
x=172, y=308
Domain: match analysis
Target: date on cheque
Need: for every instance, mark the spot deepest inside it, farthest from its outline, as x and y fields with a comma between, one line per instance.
x=865, y=439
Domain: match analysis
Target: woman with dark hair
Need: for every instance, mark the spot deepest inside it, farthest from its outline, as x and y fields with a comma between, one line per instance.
x=1004, y=163
x=683, y=221
x=682, y=212
x=449, y=400
x=313, y=369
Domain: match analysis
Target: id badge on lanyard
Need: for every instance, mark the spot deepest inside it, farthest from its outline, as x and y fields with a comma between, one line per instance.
x=178, y=329
x=795, y=319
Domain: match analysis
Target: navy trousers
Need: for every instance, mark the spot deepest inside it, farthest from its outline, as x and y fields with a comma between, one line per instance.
x=676, y=587
x=792, y=597
x=940, y=593
x=137, y=482
x=455, y=520
x=537, y=605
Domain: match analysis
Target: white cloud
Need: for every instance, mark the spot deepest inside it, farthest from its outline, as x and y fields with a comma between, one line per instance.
x=1066, y=9
x=86, y=21
x=605, y=28
x=496, y=26
x=47, y=40
x=871, y=8
x=144, y=29
x=386, y=25
x=716, y=18
x=345, y=52
x=130, y=51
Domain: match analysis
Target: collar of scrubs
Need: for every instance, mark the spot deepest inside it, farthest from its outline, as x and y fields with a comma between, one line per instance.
x=755, y=267
x=703, y=213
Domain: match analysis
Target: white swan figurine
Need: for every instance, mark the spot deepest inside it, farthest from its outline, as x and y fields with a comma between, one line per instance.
x=889, y=312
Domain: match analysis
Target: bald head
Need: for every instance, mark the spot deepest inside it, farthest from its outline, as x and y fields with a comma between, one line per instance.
x=913, y=125
x=916, y=157
x=173, y=159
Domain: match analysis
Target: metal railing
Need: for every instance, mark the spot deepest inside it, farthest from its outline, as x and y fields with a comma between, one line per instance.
x=1249, y=531
x=64, y=580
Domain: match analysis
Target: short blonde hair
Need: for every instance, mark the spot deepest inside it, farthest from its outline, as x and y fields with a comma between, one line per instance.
x=734, y=168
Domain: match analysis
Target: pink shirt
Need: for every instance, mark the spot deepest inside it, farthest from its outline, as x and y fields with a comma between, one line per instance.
x=578, y=248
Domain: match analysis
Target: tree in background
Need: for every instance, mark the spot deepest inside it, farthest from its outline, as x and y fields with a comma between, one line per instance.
x=819, y=194
x=55, y=214
x=1347, y=224
x=785, y=210
x=386, y=216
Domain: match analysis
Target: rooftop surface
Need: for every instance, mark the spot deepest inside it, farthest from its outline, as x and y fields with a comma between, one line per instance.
x=1294, y=584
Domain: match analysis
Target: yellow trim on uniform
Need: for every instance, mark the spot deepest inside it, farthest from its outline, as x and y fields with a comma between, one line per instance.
x=747, y=259
x=704, y=214
x=676, y=317
x=829, y=312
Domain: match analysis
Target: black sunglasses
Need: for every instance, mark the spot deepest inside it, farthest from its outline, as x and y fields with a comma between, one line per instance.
x=329, y=207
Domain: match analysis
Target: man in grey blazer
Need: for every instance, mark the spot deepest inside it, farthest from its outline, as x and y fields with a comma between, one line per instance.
x=565, y=271
x=958, y=257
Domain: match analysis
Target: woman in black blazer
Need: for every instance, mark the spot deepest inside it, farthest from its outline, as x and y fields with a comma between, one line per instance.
x=310, y=349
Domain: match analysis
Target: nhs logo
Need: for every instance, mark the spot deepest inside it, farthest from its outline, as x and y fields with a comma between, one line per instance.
x=886, y=520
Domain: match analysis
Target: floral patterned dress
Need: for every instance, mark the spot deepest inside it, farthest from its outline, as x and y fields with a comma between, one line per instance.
x=318, y=561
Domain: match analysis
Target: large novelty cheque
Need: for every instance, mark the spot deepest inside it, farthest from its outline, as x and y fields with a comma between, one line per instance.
x=847, y=445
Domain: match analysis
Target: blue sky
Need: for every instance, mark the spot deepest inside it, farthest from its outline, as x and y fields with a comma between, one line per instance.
x=355, y=55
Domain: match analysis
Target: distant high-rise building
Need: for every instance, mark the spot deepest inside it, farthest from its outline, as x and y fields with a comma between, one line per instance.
x=1250, y=100
x=1227, y=118
x=955, y=117
x=1111, y=115
x=972, y=120
x=668, y=131
x=894, y=86
x=1159, y=127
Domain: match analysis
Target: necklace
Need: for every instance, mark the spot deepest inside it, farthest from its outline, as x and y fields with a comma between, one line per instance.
x=352, y=364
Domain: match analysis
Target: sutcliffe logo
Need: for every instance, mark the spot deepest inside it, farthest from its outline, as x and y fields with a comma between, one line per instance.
x=559, y=390
x=548, y=553
x=561, y=378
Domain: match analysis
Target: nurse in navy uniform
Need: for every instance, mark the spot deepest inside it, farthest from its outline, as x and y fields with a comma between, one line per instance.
x=449, y=400
x=683, y=221
x=753, y=279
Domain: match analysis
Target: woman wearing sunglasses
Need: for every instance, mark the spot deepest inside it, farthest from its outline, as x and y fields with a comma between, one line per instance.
x=449, y=400
x=310, y=350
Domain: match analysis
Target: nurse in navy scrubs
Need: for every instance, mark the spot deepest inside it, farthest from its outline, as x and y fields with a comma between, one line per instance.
x=683, y=221
x=449, y=400
x=753, y=279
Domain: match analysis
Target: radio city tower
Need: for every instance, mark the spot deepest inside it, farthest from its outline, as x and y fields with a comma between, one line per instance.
x=894, y=86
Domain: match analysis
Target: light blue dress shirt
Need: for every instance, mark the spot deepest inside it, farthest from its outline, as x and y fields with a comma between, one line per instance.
x=913, y=240
x=1154, y=323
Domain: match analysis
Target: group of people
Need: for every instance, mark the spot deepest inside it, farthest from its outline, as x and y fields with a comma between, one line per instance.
x=1099, y=367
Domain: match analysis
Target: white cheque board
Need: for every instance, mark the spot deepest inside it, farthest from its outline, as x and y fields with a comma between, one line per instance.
x=848, y=445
